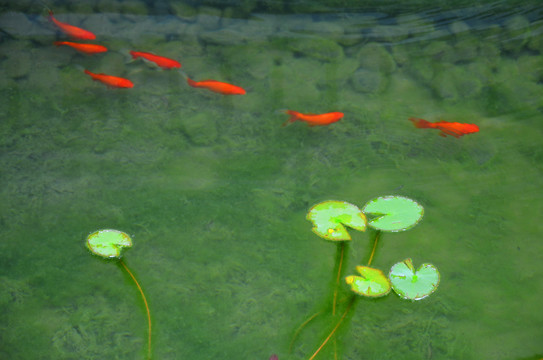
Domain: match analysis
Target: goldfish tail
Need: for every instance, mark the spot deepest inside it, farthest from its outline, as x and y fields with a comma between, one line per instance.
x=191, y=82
x=49, y=11
x=420, y=123
x=293, y=117
x=134, y=55
x=58, y=43
x=90, y=74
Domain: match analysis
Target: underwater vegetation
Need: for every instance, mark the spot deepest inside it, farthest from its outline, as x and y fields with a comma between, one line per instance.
x=386, y=214
x=109, y=244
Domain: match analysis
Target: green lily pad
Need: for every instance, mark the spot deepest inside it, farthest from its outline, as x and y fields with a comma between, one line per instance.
x=108, y=243
x=393, y=213
x=411, y=284
x=329, y=219
x=372, y=283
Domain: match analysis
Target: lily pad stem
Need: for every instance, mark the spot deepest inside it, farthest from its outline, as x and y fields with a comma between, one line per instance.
x=351, y=302
x=375, y=240
x=144, y=300
x=339, y=262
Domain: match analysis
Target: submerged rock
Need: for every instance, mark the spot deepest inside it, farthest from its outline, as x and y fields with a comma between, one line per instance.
x=389, y=33
x=531, y=67
x=458, y=27
x=209, y=18
x=466, y=49
x=322, y=49
x=439, y=51
x=18, y=64
x=375, y=57
x=456, y=82
x=224, y=37
x=536, y=40
x=200, y=128
x=517, y=32
x=368, y=81
x=183, y=11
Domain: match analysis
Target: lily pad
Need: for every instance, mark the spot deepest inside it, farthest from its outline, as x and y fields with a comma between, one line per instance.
x=411, y=284
x=372, y=283
x=393, y=213
x=108, y=243
x=329, y=219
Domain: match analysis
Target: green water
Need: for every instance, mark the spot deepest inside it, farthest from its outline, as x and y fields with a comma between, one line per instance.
x=214, y=191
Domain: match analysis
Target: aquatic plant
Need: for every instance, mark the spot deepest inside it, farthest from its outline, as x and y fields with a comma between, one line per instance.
x=329, y=219
x=109, y=244
x=383, y=214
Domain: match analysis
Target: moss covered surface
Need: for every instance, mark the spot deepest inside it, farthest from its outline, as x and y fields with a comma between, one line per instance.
x=215, y=192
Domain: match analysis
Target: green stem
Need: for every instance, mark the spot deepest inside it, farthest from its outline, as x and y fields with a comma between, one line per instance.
x=339, y=264
x=351, y=302
x=375, y=240
x=340, y=255
x=144, y=301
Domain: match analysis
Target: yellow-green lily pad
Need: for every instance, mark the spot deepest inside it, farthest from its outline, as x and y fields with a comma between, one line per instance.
x=393, y=213
x=330, y=217
x=371, y=283
x=108, y=243
x=411, y=284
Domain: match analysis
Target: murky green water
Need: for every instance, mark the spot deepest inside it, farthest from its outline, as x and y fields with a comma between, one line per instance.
x=215, y=191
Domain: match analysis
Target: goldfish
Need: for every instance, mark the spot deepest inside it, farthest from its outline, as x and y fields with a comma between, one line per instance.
x=313, y=119
x=72, y=31
x=217, y=86
x=447, y=128
x=111, y=81
x=161, y=61
x=88, y=49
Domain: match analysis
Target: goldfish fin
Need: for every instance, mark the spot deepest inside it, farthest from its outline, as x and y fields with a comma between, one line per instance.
x=420, y=123
x=49, y=11
x=126, y=55
x=292, y=119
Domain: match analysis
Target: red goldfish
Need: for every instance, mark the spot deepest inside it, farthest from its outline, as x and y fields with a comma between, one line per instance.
x=88, y=49
x=313, y=119
x=447, y=128
x=72, y=31
x=217, y=86
x=161, y=61
x=111, y=81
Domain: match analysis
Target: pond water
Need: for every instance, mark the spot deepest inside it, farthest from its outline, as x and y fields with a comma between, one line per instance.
x=214, y=191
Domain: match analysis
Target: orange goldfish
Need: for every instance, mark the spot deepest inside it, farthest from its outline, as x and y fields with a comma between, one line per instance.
x=313, y=119
x=88, y=49
x=111, y=81
x=447, y=128
x=72, y=31
x=217, y=86
x=161, y=61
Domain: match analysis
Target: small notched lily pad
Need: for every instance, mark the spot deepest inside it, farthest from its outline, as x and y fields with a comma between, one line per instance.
x=371, y=283
x=411, y=284
x=393, y=213
x=329, y=219
x=108, y=243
